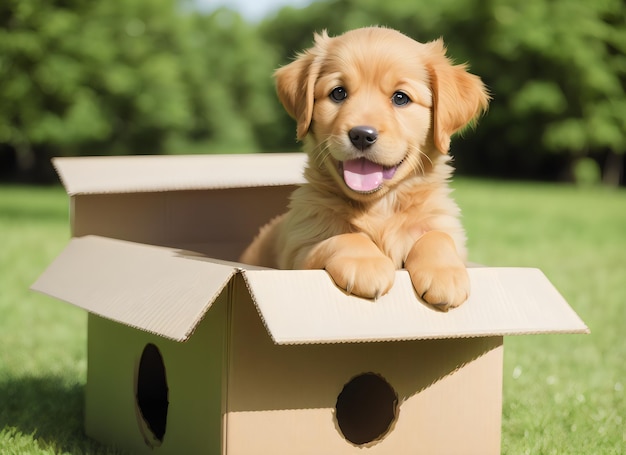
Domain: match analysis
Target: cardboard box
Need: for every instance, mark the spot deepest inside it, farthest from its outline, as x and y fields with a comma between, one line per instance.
x=190, y=352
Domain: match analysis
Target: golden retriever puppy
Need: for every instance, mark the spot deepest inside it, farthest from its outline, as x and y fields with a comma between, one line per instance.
x=375, y=111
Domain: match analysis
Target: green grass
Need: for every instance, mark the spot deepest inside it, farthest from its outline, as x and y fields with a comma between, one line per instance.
x=42, y=341
x=563, y=394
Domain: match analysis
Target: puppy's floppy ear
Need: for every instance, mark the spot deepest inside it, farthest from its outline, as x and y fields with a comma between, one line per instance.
x=458, y=96
x=295, y=83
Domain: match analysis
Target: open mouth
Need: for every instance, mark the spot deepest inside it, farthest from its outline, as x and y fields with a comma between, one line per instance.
x=364, y=176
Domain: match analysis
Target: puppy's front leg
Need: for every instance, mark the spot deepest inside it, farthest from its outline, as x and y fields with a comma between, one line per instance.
x=438, y=274
x=355, y=263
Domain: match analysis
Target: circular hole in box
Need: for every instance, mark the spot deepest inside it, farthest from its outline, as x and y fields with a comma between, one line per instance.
x=366, y=408
x=152, y=395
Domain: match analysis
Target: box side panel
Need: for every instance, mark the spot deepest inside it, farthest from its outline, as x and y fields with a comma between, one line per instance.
x=193, y=371
x=135, y=217
x=218, y=223
x=459, y=414
x=283, y=398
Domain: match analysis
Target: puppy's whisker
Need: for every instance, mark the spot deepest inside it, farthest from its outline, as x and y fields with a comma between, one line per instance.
x=316, y=153
x=322, y=151
x=414, y=161
x=418, y=158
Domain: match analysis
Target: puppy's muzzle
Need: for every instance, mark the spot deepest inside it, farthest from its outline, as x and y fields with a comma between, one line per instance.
x=363, y=136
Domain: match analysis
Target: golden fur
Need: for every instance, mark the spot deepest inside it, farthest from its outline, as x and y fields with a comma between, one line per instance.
x=410, y=221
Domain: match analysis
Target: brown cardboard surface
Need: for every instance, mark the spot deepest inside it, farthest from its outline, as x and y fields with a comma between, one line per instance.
x=195, y=379
x=151, y=288
x=227, y=219
x=137, y=174
x=449, y=392
x=135, y=284
x=230, y=378
x=305, y=306
x=219, y=201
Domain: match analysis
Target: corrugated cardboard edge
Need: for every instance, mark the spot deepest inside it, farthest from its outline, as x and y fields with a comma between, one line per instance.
x=155, y=289
x=142, y=173
x=504, y=301
x=167, y=291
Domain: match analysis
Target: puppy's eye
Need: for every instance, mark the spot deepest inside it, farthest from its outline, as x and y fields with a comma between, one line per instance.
x=400, y=99
x=338, y=94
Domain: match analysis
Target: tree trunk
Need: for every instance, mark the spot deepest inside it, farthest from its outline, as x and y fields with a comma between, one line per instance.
x=613, y=171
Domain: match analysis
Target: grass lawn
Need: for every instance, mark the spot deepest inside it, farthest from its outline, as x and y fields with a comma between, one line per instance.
x=563, y=394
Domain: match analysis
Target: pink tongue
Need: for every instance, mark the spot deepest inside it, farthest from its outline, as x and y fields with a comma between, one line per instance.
x=362, y=175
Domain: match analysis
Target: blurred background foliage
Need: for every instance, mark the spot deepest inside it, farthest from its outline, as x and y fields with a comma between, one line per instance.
x=83, y=77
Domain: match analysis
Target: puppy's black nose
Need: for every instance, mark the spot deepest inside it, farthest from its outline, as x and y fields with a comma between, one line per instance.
x=363, y=136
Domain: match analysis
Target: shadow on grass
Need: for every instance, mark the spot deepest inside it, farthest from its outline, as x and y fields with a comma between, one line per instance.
x=50, y=410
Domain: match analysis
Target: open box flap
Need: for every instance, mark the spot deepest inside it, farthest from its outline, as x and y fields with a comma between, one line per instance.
x=305, y=306
x=128, y=174
x=159, y=290
x=167, y=291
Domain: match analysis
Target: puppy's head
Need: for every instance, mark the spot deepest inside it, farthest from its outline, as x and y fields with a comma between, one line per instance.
x=375, y=107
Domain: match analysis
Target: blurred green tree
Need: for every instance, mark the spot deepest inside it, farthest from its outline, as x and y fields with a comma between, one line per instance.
x=77, y=75
x=130, y=76
x=156, y=76
x=558, y=69
x=228, y=72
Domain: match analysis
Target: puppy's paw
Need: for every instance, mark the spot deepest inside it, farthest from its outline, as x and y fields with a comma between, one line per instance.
x=443, y=287
x=368, y=277
x=437, y=272
x=355, y=263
